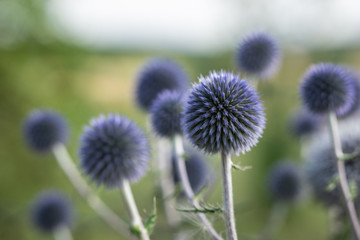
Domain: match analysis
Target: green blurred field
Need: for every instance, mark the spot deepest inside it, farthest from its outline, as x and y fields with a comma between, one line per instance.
x=82, y=84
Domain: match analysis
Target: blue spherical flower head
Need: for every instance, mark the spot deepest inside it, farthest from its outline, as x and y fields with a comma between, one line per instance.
x=223, y=114
x=196, y=168
x=157, y=75
x=51, y=210
x=258, y=55
x=285, y=181
x=43, y=129
x=113, y=149
x=303, y=123
x=327, y=87
x=166, y=113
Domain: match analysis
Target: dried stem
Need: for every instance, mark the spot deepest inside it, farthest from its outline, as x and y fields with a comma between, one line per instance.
x=180, y=162
x=228, y=196
x=64, y=160
x=335, y=136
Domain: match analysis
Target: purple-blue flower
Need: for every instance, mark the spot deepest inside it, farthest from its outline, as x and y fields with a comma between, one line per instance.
x=196, y=167
x=285, y=181
x=51, y=210
x=113, y=148
x=166, y=113
x=303, y=123
x=43, y=129
x=157, y=75
x=259, y=55
x=223, y=114
x=328, y=87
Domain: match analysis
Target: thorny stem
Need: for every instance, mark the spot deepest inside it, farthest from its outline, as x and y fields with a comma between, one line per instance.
x=228, y=196
x=129, y=200
x=335, y=136
x=180, y=162
x=64, y=160
x=62, y=233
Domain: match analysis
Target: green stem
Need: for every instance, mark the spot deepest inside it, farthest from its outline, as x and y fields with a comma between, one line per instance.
x=228, y=196
x=180, y=162
x=129, y=200
x=335, y=136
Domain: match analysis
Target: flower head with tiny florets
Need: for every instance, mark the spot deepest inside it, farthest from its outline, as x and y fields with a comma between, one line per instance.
x=113, y=148
x=223, y=114
x=258, y=54
x=43, y=129
x=327, y=87
x=166, y=113
x=285, y=181
x=157, y=75
x=51, y=210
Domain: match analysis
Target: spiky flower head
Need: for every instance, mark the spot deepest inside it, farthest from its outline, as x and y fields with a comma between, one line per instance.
x=43, y=129
x=223, y=114
x=112, y=149
x=303, y=123
x=157, y=75
x=166, y=113
x=327, y=87
x=285, y=181
x=259, y=55
x=51, y=210
x=321, y=169
x=196, y=167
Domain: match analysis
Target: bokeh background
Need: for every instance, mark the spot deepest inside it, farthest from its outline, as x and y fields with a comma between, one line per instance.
x=82, y=57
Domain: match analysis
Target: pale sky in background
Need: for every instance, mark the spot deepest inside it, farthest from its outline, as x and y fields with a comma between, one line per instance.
x=205, y=25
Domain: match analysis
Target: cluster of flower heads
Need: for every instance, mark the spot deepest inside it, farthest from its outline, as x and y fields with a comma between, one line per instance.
x=43, y=129
x=258, y=55
x=51, y=210
x=320, y=165
x=223, y=114
x=157, y=75
x=113, y=149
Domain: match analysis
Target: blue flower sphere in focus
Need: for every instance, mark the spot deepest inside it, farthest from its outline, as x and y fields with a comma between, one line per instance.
x=327, y=87
x=196, y=167
x=223, y=114
x=113, y=149
x=157, y=75
x=284, y=181
x=51, y=210
x=258, y=55
x=166, y=113
x=43, y=129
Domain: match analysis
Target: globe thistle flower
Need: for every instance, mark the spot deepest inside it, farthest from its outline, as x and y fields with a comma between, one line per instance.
x=43, y=129
x=158, y=75
x=259, y=55
x=284, y=181
x=196, y=168
x=321, y=170
x=223, y=114
x=303, y=123
x=113, y=148
x=327, y=87
x=166, y=113
x=351, y=108
x=51, y=210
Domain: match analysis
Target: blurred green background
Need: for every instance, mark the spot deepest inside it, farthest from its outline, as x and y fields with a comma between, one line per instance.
x=41, y=71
